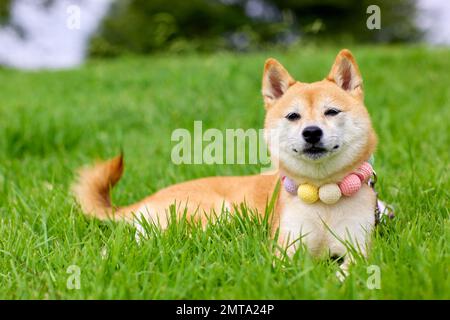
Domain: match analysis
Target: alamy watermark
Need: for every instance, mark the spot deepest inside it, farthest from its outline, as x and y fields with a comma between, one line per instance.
x=374, y=20
x=213, y=146
x=73, y=280
x=374, y=280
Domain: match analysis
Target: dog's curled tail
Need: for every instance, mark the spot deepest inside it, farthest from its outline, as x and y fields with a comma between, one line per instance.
x=93, y=186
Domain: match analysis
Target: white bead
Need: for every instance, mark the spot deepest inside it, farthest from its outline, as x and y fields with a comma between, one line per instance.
x=330, y=193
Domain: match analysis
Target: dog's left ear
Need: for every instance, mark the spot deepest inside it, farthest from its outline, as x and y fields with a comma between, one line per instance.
x=276, y=81
x=345, y=73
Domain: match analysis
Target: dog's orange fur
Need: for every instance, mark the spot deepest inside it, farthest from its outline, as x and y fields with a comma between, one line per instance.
x=343, y=86
x=199, y=197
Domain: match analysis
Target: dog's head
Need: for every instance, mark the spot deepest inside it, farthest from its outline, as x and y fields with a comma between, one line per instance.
x=320, y=130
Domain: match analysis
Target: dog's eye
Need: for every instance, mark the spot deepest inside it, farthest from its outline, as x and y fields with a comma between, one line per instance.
x=332, y=112
x=293, y=116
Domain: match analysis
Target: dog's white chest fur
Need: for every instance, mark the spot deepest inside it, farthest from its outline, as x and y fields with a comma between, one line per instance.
x=325, y=229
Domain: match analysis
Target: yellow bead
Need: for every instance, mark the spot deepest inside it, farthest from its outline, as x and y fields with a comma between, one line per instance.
x=308, y=193
x=330, y=193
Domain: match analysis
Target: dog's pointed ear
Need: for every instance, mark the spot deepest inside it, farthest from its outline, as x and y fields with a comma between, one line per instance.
x=276, y=81
x=345, y=73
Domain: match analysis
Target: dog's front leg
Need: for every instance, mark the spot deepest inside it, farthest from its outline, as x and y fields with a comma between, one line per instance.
x=343, y=271
x=350, y=240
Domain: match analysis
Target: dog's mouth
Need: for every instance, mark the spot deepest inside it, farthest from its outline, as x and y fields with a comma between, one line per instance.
x=314, y=152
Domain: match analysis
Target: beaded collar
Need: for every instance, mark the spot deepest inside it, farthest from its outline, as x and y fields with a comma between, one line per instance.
x=330, y=193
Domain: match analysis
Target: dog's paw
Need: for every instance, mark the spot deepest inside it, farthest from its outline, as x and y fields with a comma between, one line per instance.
x=342, y=274
x=140, y=234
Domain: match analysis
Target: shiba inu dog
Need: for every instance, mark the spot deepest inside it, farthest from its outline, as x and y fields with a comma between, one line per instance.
x=324, y=133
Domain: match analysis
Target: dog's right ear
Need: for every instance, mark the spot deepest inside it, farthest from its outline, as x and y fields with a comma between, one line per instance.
x=276, y=81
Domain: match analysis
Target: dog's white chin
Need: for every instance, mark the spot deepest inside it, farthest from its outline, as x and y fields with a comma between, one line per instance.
x=306, y=166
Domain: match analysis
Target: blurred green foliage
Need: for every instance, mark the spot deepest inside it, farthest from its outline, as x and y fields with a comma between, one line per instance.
x=4, y=10
x=348, y=18
x=143, y=26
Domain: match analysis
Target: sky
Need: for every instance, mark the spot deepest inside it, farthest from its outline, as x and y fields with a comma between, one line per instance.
x=435, y=16
x=56, y=37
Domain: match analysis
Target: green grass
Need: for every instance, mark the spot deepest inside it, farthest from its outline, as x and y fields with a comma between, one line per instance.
x=53, y=122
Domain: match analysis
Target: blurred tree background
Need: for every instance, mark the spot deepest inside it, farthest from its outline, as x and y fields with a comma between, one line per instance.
x=144, y=26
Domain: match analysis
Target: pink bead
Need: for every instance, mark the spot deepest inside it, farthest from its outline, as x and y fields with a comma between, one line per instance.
x=350, y=185
x=364, y=172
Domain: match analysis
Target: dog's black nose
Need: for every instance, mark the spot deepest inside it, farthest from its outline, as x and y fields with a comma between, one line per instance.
x=312, y=134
